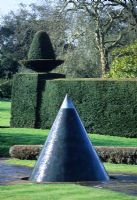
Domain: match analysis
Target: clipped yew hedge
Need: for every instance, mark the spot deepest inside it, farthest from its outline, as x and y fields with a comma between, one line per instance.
x=27, y=97
x=125, y=155
x=105, y=106
x=24, y=99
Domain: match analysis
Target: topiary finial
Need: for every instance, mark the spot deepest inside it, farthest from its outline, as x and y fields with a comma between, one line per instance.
x=41, y=55
x=41, y=47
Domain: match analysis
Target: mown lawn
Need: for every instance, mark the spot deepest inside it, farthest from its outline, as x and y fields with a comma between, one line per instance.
x=12, y=136
x=58, y=192
x=5, y=113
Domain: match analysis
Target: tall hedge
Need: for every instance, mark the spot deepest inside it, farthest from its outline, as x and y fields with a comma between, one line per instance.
x=24, y=97
x=27, y=96
x=105, y=106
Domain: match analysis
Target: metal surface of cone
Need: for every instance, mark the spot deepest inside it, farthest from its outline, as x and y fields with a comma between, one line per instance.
x=68, y=154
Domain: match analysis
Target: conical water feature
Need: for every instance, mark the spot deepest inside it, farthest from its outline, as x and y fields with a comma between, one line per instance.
x=68, y=155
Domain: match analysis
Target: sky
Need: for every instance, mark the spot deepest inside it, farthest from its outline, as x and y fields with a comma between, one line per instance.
x=7, y=5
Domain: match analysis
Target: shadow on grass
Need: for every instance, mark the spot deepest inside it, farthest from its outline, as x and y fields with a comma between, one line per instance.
x=4, y=109
x=8, y=140
x=4, y=126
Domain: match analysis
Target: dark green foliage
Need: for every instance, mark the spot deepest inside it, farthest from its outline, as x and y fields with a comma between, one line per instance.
x=41, y=56
x=41, y=47
x=24, y=97
x=8, y=66
x=105, y=106
x=27, y=96
x=117, y=155
x=41, y=65
x=4, y=151
x=5, y=89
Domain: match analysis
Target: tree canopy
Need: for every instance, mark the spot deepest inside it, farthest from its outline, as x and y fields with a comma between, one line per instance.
x=124, y=64
x=83, y=33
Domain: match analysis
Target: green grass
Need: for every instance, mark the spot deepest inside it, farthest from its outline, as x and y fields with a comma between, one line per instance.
x=121, y=168
x=106, y=140
x=12, y=136
x=14, y=161
x=58, y=192
x=111, y=168
x=5, y=113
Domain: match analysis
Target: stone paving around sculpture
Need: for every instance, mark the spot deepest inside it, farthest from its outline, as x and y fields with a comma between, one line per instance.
x=11, y=173
x=14, y=174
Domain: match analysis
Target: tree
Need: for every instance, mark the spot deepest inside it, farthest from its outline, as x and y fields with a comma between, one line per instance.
x=124, y=64
x=83, y=32
x=81, y=57
x=8, y=66
x=107, y=24
x=17, y=30
x=130, y=6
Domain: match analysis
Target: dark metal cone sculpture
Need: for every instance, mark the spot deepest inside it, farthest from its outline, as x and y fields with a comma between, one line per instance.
x=68, y=154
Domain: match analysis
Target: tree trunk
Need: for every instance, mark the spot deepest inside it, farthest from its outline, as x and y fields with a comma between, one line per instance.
x=104, y=61
x=99, y=38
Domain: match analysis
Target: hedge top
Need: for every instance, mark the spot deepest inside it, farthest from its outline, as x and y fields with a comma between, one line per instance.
x=41, y=55
x=84, y=79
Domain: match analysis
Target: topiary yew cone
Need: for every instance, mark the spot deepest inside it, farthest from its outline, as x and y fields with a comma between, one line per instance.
x=41, y=56
x=41, y=47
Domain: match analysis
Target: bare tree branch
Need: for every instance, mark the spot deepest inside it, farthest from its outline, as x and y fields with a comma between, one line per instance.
x=115, y=43
x=104, y=20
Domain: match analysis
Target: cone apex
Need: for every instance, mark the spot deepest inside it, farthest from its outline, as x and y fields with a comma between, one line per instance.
x=67, y=103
